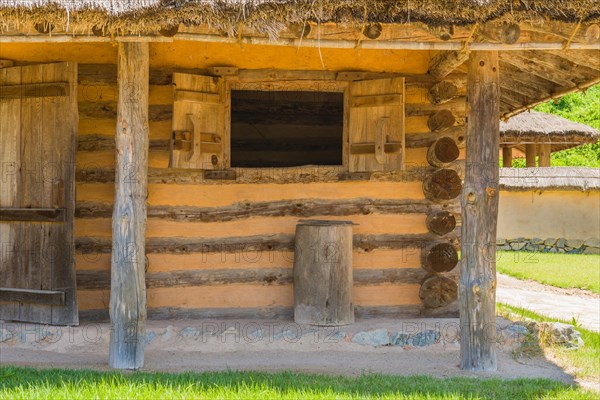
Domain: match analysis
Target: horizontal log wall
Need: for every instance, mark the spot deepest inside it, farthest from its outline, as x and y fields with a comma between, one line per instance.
x=224, y=248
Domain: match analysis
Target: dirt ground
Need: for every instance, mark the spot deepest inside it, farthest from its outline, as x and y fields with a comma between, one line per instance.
x=560, y=303
x=176, y=346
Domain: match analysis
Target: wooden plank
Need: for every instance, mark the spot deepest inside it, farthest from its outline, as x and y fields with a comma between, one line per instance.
x=196, y=96
x=10, y=155
x=364, y=122
x=35, y=90
x=32, y=296
x=33, y=214
x=128, y=290
x=477, y=287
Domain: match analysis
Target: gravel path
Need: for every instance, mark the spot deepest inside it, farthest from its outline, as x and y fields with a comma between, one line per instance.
x=547, y=300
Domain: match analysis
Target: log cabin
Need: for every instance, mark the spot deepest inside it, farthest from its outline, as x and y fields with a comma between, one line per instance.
x=536, y=135
x=157, y=155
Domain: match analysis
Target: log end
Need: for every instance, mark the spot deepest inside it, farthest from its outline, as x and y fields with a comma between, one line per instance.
x=441, y=257
x=438, y=291
x=442, y=185
x=441, y=223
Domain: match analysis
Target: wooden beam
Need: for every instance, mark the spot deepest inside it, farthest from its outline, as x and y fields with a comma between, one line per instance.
x=128, y=288
x=507, y=157
x=55, y=89
x=530, y=155
x=477, y=287
x=552, y=74
x=393, y=44
x=444, y=63
x=33, y=214
x=31, y=296
x=556, y=95
x=544, y=150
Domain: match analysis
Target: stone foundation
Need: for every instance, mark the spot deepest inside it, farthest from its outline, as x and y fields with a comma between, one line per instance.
x=550, y=245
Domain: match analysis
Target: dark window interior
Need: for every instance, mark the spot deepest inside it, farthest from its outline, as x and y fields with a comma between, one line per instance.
x=286, y=129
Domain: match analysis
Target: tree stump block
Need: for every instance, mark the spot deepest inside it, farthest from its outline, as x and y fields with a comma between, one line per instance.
x=443, y=151
x=442, y=185
x=441, y=257
x=441, y=222
x=323, y=273
x=438, y=291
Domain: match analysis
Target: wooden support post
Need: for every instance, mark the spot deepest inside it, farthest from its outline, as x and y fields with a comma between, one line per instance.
x=544, y=151
x=507, y=157
x=530, y=155
x=128, y=286
x=477, y=287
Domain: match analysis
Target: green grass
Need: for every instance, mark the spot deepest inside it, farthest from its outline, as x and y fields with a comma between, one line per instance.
x=28, y=383
x=580, y=271
x=583, y=362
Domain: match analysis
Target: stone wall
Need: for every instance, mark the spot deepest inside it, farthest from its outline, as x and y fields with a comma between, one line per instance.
x=550, y=245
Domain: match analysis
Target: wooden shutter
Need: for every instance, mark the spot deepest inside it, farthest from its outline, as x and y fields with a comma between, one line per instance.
x=38, y=126
x=376, y=125
x=200, y=123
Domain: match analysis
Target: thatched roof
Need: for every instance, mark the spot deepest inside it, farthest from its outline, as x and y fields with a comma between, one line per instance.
x=549, y=178
x=538, y=127
x=267, y=15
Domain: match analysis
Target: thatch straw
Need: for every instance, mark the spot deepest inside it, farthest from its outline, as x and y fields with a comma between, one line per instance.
x=147, y=16
x=549, y=178
x=538, y=127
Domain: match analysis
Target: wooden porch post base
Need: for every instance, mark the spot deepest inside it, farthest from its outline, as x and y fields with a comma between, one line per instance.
x=477, y=287
x=128, y=286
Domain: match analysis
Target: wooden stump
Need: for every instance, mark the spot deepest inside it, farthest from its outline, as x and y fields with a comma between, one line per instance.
x=442, y=151
x=438, y=291
x=442, y=185
x=441, y=222
x=323, y=273
x=440, y=257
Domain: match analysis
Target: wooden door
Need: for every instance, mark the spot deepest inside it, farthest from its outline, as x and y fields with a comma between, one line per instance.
x=200, y=123
x=38, y=126
x=375, y=125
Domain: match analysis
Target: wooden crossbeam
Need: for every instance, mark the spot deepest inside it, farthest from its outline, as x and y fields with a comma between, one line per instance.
x=33, y=214
x=55, y=89
x=32, y=296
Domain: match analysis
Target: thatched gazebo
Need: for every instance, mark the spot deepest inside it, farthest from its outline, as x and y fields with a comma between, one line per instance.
x=165, y=115
x=535, y=134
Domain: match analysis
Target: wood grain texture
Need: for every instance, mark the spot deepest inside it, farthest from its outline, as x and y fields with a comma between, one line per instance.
x=38, y=151
x=477, y=287
x=323, y=273
x=128, y=289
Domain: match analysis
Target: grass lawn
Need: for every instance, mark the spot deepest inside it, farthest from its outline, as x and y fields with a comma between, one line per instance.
x=583, y=363
x=580, y=271
x=28, y=383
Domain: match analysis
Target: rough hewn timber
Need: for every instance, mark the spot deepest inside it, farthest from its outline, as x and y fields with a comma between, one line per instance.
x=297, y=207
x=447, y=61
x=88, y=245
x=477, y=287
x=323, y=273
x=98, y=279
x=128, y=289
